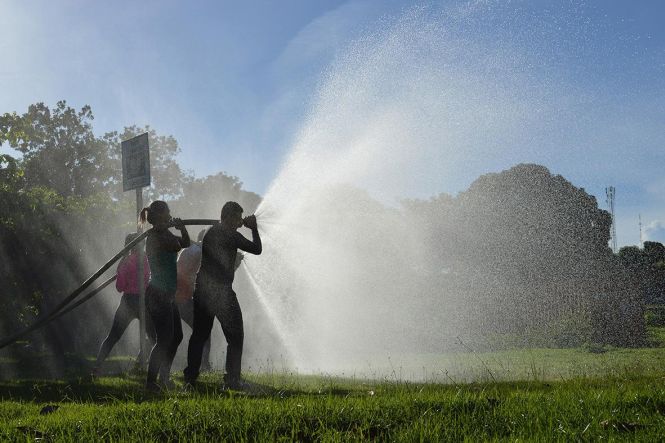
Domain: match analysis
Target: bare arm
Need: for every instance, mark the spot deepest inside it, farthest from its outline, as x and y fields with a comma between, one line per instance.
x=254, y=246
x=184, y=241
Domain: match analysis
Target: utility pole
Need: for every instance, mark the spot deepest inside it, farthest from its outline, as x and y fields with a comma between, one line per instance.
x=610, y=192
x=639, y=217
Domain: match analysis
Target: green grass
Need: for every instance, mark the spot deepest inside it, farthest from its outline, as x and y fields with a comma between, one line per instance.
x=319, y=408
x=538, y=395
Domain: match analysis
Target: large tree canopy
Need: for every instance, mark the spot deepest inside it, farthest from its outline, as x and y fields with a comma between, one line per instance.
x=59, y=148
x=530, y=249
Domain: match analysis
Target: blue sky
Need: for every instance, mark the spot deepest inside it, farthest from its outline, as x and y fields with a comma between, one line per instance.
x=234, y=81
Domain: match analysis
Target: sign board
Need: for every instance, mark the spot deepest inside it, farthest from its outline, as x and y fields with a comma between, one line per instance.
x=135, y=163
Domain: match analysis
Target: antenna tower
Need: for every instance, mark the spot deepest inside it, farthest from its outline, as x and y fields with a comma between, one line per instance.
x=610, y=192
x=639, y=217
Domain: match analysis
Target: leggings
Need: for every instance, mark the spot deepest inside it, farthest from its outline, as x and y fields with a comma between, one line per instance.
x=168, y=329
x=128, y=311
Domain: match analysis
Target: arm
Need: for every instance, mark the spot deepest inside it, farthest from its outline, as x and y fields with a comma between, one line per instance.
x=254, y=246
x=184, y=241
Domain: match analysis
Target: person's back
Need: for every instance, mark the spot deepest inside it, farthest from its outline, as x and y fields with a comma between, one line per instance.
x=162, y=257
x=127, y=274
x=219, y=251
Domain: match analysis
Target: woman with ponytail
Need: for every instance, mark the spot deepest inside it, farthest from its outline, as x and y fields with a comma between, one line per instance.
x=162, y=250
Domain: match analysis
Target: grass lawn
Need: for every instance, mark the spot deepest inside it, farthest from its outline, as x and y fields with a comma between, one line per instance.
x=535, y=395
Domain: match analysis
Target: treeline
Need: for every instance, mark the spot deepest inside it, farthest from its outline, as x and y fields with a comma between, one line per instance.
x=63, y=212
x=526, y=256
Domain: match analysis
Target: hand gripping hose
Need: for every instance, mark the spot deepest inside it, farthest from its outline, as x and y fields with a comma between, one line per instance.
x=62, y=307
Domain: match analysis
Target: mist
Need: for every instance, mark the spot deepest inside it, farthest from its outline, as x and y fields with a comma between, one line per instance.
x=346, y=271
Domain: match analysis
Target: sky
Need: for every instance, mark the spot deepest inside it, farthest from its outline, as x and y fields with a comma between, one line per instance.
x=233, y=82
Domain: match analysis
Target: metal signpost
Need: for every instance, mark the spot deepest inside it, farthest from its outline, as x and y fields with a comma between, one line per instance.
x=136, y=175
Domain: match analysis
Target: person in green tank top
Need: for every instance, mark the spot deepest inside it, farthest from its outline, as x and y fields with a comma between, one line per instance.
x=162, y=250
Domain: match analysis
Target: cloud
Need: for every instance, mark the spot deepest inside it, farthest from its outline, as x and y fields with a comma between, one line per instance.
x=655, y=231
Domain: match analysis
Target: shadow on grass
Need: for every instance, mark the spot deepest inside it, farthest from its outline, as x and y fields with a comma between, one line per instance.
x=130, y=387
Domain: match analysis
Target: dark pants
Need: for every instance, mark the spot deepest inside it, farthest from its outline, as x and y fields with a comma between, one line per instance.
x=168, y=329
x=128, y=311
x=209, y=302
x=187, y=314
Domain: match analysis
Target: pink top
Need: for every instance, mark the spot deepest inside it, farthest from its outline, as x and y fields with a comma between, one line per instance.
x=127, y=272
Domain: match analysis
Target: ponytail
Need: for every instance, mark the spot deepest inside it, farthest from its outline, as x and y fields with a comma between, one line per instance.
x=148, y=214
x=143, y=217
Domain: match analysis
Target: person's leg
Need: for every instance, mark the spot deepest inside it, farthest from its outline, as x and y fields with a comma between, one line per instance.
x=150, y=334
x=203, y=320
x=206, y=365
x=187, y=314
x=150, y=330
x=123, y=316
x=230, y=317
x=165, y=368
x=186, y=310
x=161, y=313
x=133, y=307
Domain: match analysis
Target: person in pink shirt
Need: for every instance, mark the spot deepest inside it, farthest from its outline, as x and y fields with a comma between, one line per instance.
x=128, y=309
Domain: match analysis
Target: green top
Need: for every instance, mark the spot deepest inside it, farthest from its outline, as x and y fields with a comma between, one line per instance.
x=163, y=270
x=163, y=267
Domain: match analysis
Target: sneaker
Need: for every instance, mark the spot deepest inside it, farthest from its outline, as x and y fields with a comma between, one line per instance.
x=96, y=372
x=237, y=385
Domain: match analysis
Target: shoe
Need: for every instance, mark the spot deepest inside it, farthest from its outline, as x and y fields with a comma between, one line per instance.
x=237, y=385
x=96, y=372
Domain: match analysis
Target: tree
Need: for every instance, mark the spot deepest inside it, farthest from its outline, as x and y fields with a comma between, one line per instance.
x=648, y=267
x=167, y=177
x=59, y=149
x=204, y=197
x=529, y=251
